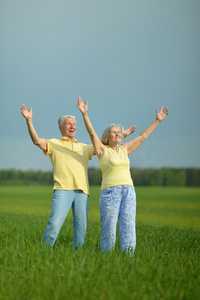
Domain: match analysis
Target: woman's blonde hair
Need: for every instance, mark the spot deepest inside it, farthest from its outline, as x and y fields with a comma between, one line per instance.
x=107, y=131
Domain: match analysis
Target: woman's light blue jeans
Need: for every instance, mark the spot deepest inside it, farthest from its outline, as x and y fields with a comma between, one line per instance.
x=61, y=203
x=114, y=202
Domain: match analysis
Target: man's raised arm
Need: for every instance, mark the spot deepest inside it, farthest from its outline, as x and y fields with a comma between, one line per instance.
x=41, y=143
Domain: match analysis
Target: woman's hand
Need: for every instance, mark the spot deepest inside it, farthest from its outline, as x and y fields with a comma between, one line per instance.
x=160, y=115
x=128, y=131
x=27, y=114
x=83, y=107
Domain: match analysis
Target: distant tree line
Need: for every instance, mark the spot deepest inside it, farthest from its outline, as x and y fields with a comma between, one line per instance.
x=156, y=177
x=17, y=177
x=141, y=177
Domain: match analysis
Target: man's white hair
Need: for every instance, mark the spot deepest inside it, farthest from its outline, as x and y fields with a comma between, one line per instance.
x=62, y=118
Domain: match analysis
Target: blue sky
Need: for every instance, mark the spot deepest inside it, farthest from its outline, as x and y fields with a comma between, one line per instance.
x=125, y=57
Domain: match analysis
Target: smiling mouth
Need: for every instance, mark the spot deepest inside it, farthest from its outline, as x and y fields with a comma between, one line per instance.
x=71, y=130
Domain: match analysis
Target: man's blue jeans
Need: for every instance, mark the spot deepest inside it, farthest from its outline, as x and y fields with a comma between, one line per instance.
x=61, y=203
x=114, y=202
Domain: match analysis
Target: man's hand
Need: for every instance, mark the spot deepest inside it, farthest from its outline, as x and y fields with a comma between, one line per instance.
x=27, y=114
x=83, y=107
x=128, y=131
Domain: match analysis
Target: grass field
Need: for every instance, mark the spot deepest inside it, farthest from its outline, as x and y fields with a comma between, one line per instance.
x=166, y=264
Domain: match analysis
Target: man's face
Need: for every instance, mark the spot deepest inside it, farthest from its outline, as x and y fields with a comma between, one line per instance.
x=68, y=128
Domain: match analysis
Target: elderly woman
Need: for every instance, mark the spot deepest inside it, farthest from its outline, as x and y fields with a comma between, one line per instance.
x=117, y=197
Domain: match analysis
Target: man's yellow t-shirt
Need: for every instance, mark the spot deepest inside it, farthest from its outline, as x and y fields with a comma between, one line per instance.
x=115, y=168
x=70, y=164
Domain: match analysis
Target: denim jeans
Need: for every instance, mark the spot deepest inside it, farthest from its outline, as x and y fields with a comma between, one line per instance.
x=114, y=202
x=61, y=203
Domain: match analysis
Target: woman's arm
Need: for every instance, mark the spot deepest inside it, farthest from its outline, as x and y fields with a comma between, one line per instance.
x=41, y=143
x=128, y=131
x=135, y=143
x=99, y=148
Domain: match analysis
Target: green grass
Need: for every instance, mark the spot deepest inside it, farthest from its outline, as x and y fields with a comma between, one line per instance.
x=165, y=265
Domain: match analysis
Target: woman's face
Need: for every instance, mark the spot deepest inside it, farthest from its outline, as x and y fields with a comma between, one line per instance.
x=115, y=136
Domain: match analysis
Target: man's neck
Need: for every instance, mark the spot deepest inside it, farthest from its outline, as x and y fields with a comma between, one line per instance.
x=71, y=139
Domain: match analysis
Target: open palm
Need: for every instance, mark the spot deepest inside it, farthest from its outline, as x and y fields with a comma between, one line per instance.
x=27, y=114
x=160, y=115
x=128, y=131
x=83, y=107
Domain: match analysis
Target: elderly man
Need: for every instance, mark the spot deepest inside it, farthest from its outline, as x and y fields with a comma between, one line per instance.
x=70, y=172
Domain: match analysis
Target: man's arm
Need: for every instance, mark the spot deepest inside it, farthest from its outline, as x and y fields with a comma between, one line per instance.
x=99, y=148
x=41, y=143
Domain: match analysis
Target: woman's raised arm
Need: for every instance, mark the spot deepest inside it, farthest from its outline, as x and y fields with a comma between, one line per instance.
x=135, y=143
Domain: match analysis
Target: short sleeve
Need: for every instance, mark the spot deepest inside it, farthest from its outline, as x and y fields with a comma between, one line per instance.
x=89, y=150
x=49, y=149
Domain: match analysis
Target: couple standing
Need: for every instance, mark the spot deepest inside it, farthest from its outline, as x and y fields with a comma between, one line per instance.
x=70, y=172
